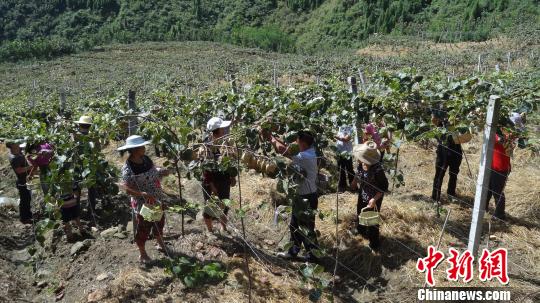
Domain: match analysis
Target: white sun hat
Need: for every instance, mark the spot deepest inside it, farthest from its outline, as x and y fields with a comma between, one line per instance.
x=133, y=142
x=216, y=123
x=367, y=153
x=85, y=120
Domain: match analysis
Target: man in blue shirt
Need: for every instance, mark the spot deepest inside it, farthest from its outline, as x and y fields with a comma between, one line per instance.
x=304, y=208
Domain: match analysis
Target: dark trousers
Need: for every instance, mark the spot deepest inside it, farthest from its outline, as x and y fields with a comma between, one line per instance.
x=497, y=182
x=346, y=172
x=223, y=187
x=43, y=172
x=92, y=197
x=452, y=162
x=302, y=225
x=370, y=232
x=25, y=211
x=146, y=228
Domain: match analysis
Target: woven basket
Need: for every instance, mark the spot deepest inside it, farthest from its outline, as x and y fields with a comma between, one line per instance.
x=151, y=213
x=369, y=217
x=462, y=138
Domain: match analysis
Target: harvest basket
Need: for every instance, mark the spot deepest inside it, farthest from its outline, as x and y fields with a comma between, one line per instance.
x=462, y=138
x=369, y=217
x=151, y=213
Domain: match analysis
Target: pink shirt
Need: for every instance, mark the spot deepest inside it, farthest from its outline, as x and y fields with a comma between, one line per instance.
x=373, y=133
x=41, y=159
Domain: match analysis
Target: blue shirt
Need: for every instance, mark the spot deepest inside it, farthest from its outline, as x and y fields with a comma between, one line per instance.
x=306, y=161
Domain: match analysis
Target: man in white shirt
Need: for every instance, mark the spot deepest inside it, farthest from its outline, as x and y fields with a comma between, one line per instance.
x=304, y=208
x=344, y=148
x=519, y=120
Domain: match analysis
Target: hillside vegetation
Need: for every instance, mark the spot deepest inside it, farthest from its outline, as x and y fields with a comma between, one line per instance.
x=32, y=29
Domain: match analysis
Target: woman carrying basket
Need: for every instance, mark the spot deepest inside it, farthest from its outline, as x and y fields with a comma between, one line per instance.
x=141, y=179
x=371, y=183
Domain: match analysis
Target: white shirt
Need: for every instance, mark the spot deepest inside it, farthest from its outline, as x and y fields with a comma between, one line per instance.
x=342, y=146
x=518, y=121
x=306, y=162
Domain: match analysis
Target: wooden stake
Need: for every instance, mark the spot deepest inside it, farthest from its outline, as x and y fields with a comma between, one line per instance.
x=484, y=173
x=274, y=75
x=362, y=80
x=246, y=261
x=132, y=123
x=479, y=66
x=441, y=235
x=338, y=244
x=353, y=89
x=234, y=89
x=62, y=100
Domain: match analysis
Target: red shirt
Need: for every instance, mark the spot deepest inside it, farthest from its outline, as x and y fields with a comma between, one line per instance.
x=501, y=161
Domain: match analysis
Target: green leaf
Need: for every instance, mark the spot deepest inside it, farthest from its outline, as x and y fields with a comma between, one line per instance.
x=241, y=213
x=319, y=254
x=189, y=281
x=307, y=271
x=288, y=246
x=227, y=202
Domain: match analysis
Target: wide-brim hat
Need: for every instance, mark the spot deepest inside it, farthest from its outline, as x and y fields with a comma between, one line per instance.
x=367, y=153
x=20, y=142
x=85, y=120
x=216, y=123
x=133, y=142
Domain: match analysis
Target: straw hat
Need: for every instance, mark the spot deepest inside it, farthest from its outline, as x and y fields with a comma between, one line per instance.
x=85, y=120
x=367, y=153
x=133, y=142
x=216, y=123
x=11, y=142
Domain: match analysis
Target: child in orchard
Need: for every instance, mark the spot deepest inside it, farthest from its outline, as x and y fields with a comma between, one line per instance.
x=66, y=195
x=216, y=183
x=20, y=167
x=70, y=211
x=371, y=133
x=384, y=133
x=371, y=183
x=39, y=155
x=304, y=208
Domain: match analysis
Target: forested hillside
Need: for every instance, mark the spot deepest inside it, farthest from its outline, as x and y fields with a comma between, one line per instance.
x=48, y=28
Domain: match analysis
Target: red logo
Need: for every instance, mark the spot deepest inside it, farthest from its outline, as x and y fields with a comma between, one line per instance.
x=460, y=266
x=491, y=265
x=494, y=265
x=429, y=263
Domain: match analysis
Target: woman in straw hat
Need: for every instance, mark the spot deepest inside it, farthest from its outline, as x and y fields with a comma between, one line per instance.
x=371, y=183
x=141, y=179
